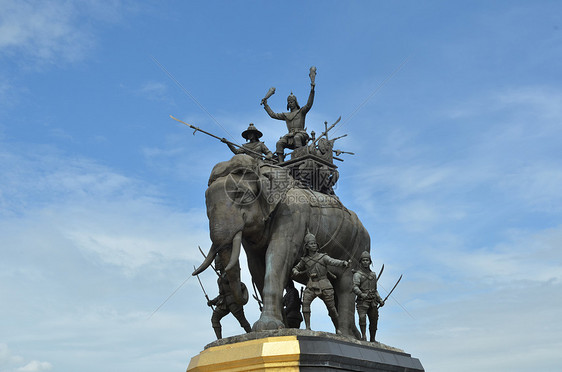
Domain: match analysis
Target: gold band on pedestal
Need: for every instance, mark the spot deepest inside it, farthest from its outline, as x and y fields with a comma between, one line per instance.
x=272, y=353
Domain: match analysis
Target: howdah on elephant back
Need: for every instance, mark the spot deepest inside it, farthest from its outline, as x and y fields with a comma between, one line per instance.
x=260, y=207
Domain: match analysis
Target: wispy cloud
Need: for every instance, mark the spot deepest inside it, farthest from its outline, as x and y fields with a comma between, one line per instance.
x=119, y=219
x=155, y=91
x=104, y=249
x=10, y=362
x=53, y=31
x=480, y=228
x=35, y=366
x=46, y=31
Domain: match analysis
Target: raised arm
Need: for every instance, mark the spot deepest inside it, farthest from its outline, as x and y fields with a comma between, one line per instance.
x=280, y=116
x=310, y=101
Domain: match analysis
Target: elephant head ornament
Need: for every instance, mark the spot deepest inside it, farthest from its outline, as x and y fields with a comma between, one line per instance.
x=260, y=207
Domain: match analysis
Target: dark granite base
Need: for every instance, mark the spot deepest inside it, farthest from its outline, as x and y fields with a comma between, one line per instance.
x=322, y=351
x=323, y=354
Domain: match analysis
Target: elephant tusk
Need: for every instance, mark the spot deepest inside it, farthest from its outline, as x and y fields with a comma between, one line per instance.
x=207, y=262
x=235, y=253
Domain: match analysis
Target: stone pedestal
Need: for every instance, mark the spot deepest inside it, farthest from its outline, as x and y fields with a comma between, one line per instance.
x=300, y=350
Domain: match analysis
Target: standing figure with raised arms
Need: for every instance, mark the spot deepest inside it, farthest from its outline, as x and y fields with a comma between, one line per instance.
x=315, y=264
x=295, y=119
x=368, y=298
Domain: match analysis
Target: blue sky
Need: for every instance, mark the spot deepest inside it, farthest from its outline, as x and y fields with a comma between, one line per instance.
x=457, y=173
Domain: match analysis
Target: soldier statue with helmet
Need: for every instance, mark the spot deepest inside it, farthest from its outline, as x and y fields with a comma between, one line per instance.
x=253, y=146
x=225, y=303
x=315, y=265
x=368, y=298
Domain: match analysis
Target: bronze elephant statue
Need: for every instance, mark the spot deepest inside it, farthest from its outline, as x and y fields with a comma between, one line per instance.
x=260, y=206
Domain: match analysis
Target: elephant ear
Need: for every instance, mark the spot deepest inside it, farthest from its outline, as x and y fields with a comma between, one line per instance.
x=275, y=183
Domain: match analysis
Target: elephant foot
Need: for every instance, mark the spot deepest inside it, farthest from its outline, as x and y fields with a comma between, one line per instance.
x=347, y=332
x=266, y=323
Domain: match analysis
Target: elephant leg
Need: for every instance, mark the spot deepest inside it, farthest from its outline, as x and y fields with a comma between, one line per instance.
x=346, y=304
x=256, y=265
x=280, y=256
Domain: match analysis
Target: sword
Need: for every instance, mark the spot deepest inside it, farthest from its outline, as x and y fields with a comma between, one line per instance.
x=205, y=293
x=380, y=272
x=389, y=293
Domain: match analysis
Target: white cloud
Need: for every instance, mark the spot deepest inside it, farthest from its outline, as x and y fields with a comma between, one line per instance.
x=543, y=102
x=9, y=362
x=520, y=257
x=54, y=31
x=45, y=30
x=155, y=91
x=489, y=309
x=7, y=358
x=87, y=254
x=537, y=186
x=108, y=216
x=476, y=230
x=35, y=366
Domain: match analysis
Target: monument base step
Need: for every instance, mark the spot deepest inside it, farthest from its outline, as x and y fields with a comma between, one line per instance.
x=300, y=350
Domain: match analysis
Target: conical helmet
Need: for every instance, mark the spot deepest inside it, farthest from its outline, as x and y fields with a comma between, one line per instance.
x=292, y=97
x=251, y=129
x=366, y=254
x=309, y=238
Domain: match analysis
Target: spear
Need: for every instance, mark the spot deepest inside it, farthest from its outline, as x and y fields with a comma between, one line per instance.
x=196, y=129
x=327, y=130
x=255, y=295
x=339, y=152
x=205, y=293
x=337, y=138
